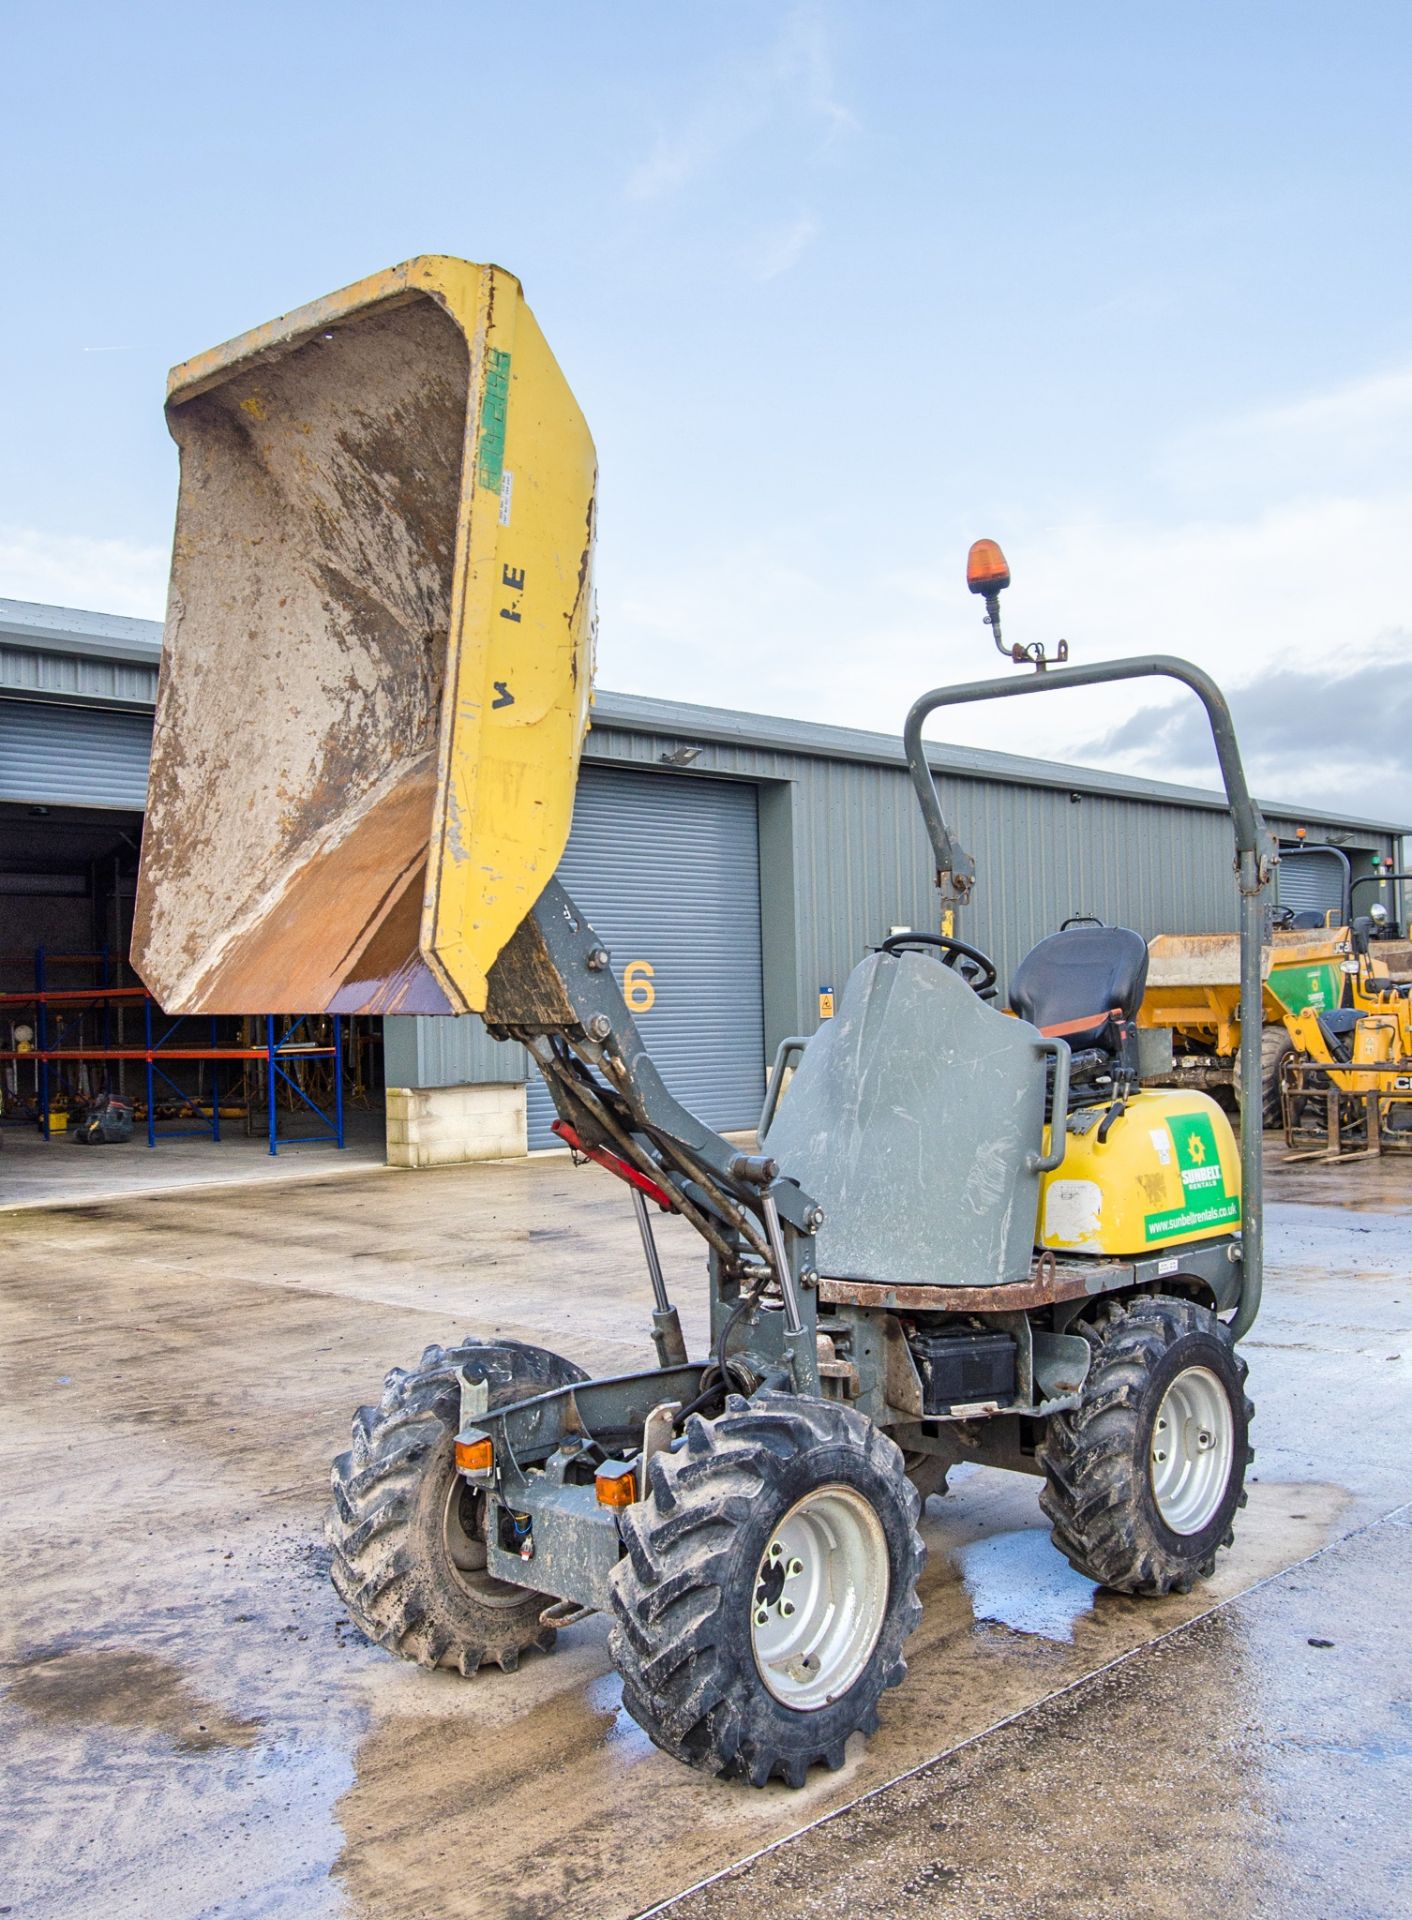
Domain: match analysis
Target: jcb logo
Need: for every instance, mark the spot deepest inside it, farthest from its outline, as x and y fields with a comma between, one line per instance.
x=638, y=989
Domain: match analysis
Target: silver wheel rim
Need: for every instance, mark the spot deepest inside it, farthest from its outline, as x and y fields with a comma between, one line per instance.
x=465, y=1553
x=819, y=1598
x=1193, y=1444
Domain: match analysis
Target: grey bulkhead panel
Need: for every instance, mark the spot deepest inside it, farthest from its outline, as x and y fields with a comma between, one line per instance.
x=911, y=1118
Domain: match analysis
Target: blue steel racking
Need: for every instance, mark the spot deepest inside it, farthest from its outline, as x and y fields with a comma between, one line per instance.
x=277, y=1053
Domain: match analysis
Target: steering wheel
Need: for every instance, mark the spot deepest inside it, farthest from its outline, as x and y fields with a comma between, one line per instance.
x=974, y=967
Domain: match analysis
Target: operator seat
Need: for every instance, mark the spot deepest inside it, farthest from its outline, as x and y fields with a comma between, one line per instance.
x=1085, y=985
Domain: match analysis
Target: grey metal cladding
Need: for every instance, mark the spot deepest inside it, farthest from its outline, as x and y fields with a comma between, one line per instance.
x=679, y=722
x=848, y=835
x=59, y=653
x=842, y=852
x=29, y=673
x=667, y=870
x=452, y=1050
x=101, y=636
x=910, y=1119
x=73, y=756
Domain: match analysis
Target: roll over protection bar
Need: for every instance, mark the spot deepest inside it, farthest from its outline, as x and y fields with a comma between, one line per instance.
x=1256, y=858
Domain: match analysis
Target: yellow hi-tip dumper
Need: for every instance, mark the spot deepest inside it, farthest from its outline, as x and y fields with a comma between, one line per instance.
x=964, y=1235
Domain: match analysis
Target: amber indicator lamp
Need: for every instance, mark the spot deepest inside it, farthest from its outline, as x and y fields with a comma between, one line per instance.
x=988, y=574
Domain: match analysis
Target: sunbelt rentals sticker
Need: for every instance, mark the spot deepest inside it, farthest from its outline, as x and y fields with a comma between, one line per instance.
x=1205, y=1202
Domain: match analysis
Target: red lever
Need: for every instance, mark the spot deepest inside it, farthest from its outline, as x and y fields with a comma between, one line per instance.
x=601, y=1157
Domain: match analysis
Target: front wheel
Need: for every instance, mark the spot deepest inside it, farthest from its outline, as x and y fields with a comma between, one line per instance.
x=406, y=1532
x=769, y=1584
x=1144, y=1477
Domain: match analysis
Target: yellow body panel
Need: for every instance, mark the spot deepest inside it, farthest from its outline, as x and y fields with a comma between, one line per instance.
x=1379, y=1049
x=377, y=663
x=1168, y=1174
x=1373, y=991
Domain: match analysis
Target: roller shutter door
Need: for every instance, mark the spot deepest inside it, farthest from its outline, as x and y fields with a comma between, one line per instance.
x=667, y=868
x=59, y=756
x=1311, y=881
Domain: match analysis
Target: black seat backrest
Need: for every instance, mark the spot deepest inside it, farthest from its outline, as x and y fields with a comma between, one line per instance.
x=1082, y=976
x=1306, y=921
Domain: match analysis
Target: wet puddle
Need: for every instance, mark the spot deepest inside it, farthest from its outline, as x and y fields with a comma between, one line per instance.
x=1017, y=1580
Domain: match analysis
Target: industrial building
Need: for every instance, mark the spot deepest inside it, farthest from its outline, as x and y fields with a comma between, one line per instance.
x=802, y=843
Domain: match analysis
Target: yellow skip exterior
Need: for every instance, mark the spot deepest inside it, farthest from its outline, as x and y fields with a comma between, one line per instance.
x=1168, y=1174
x=387, y=515
x=520, y=668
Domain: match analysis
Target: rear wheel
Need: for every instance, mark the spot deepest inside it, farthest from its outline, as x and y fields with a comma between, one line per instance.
x=407, y=1532
x=768, y=1587
x=1275, y=1048
x=1143, y=1478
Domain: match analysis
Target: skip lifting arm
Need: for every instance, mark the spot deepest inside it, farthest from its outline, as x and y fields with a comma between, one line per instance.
x=553, y=989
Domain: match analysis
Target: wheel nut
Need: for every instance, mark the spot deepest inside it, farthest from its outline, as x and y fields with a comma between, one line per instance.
x=795, y=1568
x=786, y=1608
x=762, y=1616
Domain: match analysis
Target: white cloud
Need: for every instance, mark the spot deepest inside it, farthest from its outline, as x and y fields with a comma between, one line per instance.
x=1293, y=747
x=1315, y=587
x=1352, y=437
x=1280, y=576
x=793, y=77
x=785, y=247
x=804, y=61
x=678, y=157
x=71, y=570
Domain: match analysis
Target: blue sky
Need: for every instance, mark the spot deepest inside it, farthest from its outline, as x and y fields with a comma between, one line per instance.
x=839, y=286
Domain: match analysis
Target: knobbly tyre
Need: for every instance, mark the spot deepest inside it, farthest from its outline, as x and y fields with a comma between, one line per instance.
x=966, y=1235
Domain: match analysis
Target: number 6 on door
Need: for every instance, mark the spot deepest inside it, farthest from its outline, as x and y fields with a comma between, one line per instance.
x=638, y=989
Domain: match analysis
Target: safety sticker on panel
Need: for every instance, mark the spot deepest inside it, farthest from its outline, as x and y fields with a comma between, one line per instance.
x=1206, y=1201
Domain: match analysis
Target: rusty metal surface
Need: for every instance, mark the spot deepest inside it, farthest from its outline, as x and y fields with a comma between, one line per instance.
x=293, y=754
x=1059, y=1283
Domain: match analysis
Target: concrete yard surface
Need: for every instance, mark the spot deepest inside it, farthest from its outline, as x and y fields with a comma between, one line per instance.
x=1277, y=1735
x=58, y=1172
x=192, y=1728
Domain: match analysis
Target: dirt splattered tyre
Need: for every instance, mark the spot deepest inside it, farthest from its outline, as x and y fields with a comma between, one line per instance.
x=1275, y=1048
x=1144, y=1477
x=408, y=1559
x=769, y=1585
